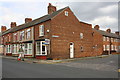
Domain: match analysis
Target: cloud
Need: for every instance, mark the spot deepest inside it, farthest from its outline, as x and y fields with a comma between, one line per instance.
x=101, y=13
x=18, y=11
x=108, y=9
x=7, y=16
x=104, y=20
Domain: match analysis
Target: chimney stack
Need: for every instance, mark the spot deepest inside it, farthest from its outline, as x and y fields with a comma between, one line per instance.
x=117, y=32
x=28, y=20
x=51, y=8
x=13, y=24
x=96, y=27
x=3, y=28
x=108, y=30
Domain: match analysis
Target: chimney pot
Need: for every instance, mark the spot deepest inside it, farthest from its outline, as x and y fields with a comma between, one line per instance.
x=117, y=32
x=96, y=27
x=3, y=28
x=28, y=20
x=51, y=8
x=13, y=24
x=108, y=30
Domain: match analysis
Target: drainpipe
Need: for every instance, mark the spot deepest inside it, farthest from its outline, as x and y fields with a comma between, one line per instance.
x=110, y=47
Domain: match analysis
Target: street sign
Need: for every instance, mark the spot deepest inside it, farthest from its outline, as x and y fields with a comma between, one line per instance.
x=47, y=41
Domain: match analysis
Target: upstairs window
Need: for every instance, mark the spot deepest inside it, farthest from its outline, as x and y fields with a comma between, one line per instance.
x=41, y=30
x=15, y=37
x=66, y=13
x=107, y=38
x=81, y=35
x=22, y=35
x=8, y=37
x=28, y=33
x=111, y=39
x=104, y=38
x=81, y=48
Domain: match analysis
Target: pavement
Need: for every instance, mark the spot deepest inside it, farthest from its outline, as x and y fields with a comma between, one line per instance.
x=34, y=60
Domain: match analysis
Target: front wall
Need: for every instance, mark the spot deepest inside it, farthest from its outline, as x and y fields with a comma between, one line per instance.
x=68, y=28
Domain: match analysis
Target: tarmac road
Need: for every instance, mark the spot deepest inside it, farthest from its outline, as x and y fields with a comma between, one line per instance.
x=88, y=68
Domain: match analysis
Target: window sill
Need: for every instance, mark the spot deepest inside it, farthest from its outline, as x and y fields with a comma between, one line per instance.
x=41, y=55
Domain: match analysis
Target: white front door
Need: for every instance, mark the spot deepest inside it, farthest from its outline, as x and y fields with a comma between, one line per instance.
x=71, y=50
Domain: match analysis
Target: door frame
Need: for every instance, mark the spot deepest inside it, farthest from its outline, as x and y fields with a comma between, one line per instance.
x=41, y=48
x=71, y=54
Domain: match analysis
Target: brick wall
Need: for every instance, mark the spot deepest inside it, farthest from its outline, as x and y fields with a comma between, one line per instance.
x=68, y=28
x=97, y=43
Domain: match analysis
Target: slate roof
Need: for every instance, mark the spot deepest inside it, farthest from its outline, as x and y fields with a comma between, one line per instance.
x=104, y=33
x=34, y=22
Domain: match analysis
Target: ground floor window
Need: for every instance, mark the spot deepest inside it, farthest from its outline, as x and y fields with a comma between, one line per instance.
x=108, y=47
x=104, y=47
x=112, y=47
x=116, y=48
x=41, y=48
x=28, y=48
x=15, y=48
x=8, y=48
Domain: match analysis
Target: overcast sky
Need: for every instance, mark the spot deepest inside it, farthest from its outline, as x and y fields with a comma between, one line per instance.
x=104, y=14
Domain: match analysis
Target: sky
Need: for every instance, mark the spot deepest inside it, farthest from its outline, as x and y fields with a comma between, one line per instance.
x=104, y=14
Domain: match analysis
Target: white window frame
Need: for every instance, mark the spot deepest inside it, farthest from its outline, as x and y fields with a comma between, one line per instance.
x=112, y=47
x=28, y=48
x=66, y=13
x=107, y=38
x=8, y=48
x=81, y=48
x=15, y=49
x=104, y=38
x=81, y=35
x=116, y=48
x=14, y=38
x=45, y=48
x=108, y=47
x=112, y=40
x=40, y=46
x=28, y=33
x=41, y=30
x=22, y=35
x=38, y=52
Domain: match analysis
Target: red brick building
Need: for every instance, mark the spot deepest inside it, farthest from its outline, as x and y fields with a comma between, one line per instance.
x=57, y=35
x=109, y=43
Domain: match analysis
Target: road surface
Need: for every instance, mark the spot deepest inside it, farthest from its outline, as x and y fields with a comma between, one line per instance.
x=87, y=68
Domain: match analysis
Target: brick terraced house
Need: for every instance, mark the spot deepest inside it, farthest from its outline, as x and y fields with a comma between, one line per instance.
x=109, y=41
x=57, y=35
